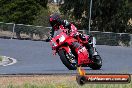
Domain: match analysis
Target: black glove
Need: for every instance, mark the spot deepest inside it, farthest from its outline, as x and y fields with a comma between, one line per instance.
x=81, y=36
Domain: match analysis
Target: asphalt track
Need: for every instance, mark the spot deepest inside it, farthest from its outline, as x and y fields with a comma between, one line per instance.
x=36, y=57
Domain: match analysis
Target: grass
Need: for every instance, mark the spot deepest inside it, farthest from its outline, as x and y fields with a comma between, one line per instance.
x=51, y=81
x=1, y=58
x=69, y=85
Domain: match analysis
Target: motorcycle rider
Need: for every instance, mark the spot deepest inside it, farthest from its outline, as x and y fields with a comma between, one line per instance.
x=55, y=21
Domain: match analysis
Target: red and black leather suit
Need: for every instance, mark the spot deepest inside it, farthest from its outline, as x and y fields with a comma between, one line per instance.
x=56, y=21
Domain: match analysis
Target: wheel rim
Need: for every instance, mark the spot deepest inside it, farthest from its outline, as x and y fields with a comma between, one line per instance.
x=71, y=58
x=98, y=61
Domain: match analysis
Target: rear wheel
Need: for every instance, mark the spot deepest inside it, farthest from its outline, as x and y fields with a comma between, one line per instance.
x=97, y=62
x=68, y=60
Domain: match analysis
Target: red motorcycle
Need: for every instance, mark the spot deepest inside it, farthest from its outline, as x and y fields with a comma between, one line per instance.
x=73, y=57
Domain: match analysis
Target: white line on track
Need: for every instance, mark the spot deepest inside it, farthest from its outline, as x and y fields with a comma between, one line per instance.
x=13, y=61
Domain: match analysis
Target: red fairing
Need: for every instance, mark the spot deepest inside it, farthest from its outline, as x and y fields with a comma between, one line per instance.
x=68, y=50
x=70, y=40
x=83, y=56
x=61, y=37
x=56, y=44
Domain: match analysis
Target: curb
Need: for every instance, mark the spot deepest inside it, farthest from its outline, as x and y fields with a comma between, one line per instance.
x=7, y=61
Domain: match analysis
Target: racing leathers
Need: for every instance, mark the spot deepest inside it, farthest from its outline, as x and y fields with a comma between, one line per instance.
x=72, y=30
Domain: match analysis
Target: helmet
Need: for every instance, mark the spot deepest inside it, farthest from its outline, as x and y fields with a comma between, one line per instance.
x=55, y=21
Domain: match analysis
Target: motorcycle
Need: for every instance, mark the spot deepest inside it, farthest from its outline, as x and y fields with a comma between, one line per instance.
x=71, y=57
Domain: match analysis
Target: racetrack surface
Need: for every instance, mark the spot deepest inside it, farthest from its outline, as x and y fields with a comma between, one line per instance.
x=36, y=57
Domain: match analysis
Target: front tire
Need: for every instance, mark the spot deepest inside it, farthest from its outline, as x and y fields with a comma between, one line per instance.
x=65, y=61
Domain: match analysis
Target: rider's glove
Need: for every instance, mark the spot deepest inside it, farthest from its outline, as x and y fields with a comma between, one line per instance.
x=81, y=36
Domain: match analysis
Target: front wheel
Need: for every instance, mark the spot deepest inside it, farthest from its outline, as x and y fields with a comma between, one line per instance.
x=66, y=60
x=97, y=63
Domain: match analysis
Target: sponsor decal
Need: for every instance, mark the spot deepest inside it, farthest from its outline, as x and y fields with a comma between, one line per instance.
x=83, y=78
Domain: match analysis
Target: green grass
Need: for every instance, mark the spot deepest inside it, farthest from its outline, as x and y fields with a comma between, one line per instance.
x=70, y=85
x=50, y=81
x=0, y=58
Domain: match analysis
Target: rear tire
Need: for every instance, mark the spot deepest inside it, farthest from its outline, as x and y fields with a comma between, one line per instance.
x=64, y=59
x=97, y=63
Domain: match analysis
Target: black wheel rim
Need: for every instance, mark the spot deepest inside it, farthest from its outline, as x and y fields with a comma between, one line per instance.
x=73, y=64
